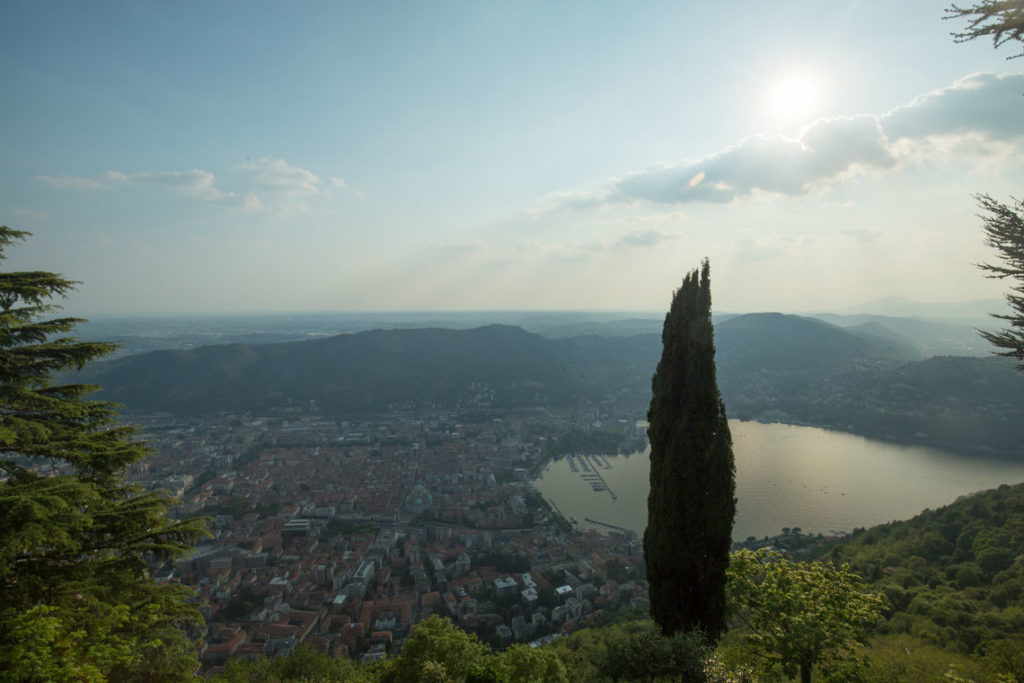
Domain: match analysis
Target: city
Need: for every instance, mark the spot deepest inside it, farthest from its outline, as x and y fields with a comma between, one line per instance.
x=344, y=534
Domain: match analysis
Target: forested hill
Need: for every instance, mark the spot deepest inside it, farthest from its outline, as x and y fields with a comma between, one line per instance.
x=954, y=576
x=770, y=367
x=364, y=371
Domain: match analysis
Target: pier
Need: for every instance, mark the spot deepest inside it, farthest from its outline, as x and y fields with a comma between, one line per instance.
x=610, y=526
x=595, y=472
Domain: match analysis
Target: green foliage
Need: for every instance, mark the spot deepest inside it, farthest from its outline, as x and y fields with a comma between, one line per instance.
x=76, y=540
x=438, y=650
x=525, y=664
x=692, y=501
x=1003, y=225
x=304, y=664
x=955, y=575
x=650, y=655
x=1001, y=19
x=634, y=650
x=798, y=615
x=905, y=659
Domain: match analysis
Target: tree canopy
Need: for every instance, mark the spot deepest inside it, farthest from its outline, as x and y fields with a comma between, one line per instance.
x=1004, y=231
x=692, y=501
x=1003, y=223
x=800, y=614
x=1001, y=19
x=77, y=540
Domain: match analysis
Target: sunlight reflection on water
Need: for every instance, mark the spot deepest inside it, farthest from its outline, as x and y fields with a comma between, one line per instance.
x=788, y=476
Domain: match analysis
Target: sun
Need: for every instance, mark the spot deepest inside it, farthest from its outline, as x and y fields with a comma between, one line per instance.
x=793, y=96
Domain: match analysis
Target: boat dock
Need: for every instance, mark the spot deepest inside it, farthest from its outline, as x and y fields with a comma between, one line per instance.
x=610, y=526
x=593, y=475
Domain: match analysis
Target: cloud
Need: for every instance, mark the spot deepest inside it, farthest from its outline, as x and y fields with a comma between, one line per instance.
x=775, y=165
x=273, y=185
x=279, y=178
x=645, y=238
x=863, y=235
x=983, y=103
x=69, y=182
x=30, y=213
x=985, y=107
x=342, y=184
x=571, y=200
x=196, y=183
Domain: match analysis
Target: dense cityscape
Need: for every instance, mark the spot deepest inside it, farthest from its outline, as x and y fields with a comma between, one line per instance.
x=344, y=534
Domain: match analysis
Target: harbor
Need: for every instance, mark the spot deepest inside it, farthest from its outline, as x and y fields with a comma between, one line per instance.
x=589, y=467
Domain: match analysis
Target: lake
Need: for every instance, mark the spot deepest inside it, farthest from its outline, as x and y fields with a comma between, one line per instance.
x=789, y=476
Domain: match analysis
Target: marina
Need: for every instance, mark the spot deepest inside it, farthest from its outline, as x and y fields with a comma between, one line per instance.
x=588, y=466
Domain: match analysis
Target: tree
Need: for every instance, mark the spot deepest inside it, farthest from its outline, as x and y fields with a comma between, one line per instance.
x=691, y=505
x=1003, y=223
x=800, y=614
x=648, y=655
x=1004, y=231
x=438, y=650
x=1001, y=19
x=303, y=664
x=525, y=664
x=76, y=540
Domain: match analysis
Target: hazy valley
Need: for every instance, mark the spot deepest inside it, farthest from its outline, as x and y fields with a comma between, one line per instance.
x=910, y=380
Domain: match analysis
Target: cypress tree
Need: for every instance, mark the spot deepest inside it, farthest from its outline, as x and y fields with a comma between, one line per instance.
x=692, y=502
x=77, y=541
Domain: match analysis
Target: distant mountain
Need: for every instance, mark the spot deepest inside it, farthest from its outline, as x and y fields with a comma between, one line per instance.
x=975, y=312
x=788, y=342
x=929, y=337
x=364, y=371
x=868, y=379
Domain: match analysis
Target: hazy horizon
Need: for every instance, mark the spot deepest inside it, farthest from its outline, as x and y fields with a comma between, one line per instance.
x=256, y=157
x=982, y=306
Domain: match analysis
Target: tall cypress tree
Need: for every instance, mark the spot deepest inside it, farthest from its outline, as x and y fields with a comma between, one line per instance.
x=76, y=540
x=692, y=501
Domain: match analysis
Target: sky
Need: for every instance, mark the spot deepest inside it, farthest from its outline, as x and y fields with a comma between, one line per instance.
x=198, y=157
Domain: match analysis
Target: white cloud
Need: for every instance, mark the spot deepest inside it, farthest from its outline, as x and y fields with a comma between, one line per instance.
x=571, y=199
x=342, y=184
x=276, y=177
x=645, y=238
x=30, y=213
x=68, y=182
x=863, y=235
x=986, y=107
x=775, y=165
x=196, y=183
x=273, y=185
x=984, y=103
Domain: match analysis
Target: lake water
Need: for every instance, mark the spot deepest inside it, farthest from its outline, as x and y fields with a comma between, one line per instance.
x=788, y=476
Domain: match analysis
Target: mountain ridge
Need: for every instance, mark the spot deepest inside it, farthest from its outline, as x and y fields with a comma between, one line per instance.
x=771, y=367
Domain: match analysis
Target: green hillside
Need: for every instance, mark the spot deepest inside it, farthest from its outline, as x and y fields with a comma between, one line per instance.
x=954, y=577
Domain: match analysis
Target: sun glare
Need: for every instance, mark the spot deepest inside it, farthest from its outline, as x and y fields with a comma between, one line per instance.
x=792, y=96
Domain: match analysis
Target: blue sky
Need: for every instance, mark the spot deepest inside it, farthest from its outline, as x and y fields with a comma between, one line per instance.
x=246, y=156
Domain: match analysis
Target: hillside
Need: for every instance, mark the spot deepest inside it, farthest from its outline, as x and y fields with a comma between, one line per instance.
x=354, y=372
x=771, y=367
x=928, y=337
x=954, y=576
